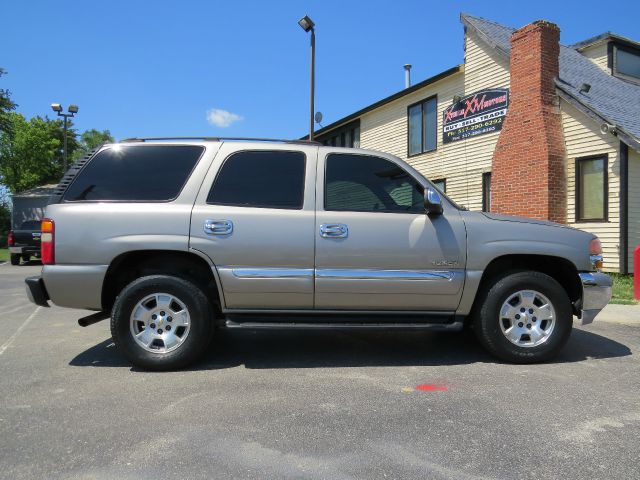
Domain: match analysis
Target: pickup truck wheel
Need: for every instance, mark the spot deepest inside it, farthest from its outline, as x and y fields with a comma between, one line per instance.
x=162, y=322
x=525, y=318
x=15, y=259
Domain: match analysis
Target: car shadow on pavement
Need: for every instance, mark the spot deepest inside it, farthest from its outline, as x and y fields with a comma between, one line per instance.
x=327, y=349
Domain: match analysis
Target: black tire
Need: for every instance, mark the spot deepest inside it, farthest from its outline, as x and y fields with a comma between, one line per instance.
x=487, y=320
x=15, y=259
x=200, y=329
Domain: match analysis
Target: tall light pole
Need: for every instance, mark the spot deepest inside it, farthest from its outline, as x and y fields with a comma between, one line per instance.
x=308, y=26
x=73, y=109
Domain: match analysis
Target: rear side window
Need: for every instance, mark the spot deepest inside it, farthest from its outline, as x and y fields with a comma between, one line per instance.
x=263, y=179
x=135, y=173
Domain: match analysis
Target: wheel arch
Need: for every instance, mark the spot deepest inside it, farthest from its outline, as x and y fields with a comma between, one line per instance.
x=191, y=266
x=560, y=269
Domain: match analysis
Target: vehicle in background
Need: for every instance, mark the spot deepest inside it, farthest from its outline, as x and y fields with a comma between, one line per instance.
x=25, y=242
x=26, y=214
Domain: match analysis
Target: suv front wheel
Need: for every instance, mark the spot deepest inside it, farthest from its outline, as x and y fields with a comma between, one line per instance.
x=162, y=322
x=524, y=317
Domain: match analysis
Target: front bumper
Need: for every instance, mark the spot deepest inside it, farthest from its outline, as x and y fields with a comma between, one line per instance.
x=36, y=291
x=596, y=294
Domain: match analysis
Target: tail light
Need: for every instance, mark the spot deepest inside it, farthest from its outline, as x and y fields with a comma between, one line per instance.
x=595, y=254
x=47, y=242
x=10, y=240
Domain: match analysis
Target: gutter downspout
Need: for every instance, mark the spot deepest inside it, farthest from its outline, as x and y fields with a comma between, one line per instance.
x=624, y=207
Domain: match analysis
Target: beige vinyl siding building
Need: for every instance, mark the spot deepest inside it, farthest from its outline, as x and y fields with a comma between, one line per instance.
x=464, y=166
x=460, y=163
x=634, y=204
x=597, y=53
x=583, y=138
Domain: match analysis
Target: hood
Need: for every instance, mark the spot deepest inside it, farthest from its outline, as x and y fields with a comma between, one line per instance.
x=509, y=218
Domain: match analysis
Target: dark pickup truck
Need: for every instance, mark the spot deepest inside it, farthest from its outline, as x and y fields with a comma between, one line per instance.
x=25, y=242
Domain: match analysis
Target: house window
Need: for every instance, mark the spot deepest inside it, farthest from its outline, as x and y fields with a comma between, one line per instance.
x=347, y=136
x=486, y=192
x=626, y=63
x=440, y=184
x=591, y=189
x=423, y=126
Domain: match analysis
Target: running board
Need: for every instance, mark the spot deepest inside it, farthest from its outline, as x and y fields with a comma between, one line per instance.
x=94, y=318
x=436, y=327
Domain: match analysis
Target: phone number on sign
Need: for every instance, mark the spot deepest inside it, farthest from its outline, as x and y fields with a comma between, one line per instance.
x=471, y=130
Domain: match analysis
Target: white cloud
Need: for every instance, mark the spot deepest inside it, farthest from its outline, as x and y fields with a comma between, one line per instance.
x=222, y=118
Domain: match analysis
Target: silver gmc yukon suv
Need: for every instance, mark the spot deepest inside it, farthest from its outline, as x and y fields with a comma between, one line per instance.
x=174, y=238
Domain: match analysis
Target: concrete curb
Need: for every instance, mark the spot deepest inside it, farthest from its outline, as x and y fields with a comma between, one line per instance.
x=629, y=314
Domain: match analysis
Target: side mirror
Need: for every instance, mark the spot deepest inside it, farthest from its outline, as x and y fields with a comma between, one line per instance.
x=432, y=202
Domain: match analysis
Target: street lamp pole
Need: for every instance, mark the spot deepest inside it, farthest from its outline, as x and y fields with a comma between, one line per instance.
x=73, y=109
x=64, y=145
x=308, y=26
x=313, y=83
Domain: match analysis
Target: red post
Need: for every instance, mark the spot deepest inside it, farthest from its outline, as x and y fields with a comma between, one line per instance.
x=636, y=273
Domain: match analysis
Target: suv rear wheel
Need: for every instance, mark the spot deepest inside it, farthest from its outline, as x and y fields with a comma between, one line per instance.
x=525, y=317
x=15, y=259
x=162, y=322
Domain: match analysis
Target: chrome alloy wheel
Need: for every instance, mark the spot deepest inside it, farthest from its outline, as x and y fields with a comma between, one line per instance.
x=527, y=318
x=160, y=322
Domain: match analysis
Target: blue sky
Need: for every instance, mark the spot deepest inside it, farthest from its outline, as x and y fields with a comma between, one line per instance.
x=154, y=68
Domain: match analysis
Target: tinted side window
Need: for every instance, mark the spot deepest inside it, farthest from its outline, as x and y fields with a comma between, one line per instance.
x=135, y=173
x=264, y=179
x=362, y=183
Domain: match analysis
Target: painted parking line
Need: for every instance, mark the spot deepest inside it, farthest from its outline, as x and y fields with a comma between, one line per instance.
x=12, y=308
x=13, y=337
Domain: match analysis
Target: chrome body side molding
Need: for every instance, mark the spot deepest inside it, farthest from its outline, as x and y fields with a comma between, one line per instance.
x=249, y=272
x=363, y=274
x=355, y=274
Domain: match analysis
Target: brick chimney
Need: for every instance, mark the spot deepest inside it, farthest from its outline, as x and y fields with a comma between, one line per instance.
x=528, y=174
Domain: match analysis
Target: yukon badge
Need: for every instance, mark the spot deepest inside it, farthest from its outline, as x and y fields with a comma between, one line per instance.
x=444, y=263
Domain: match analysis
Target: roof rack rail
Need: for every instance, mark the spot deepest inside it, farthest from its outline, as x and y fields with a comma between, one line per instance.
x=221, y=139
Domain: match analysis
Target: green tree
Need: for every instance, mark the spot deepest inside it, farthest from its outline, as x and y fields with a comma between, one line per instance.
x=5, y=222
x=91, y=139
x=6, y=105
x=29, y=153
x=56, y=127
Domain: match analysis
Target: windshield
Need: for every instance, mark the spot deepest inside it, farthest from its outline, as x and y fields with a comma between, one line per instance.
x=31, y=225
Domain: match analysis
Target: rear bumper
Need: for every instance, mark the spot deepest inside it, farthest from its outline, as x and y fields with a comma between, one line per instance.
x=75, y=286
x=25, y=250
x=596, y=294
x=36, y=291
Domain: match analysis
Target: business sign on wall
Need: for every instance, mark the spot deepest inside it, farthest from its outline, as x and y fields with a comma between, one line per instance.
x=476, y=114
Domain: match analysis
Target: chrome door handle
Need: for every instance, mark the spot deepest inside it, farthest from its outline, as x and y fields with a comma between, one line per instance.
x=218, y=227
x=334, y=230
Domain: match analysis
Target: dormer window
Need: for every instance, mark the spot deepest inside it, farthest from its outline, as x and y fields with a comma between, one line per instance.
x=626, y=63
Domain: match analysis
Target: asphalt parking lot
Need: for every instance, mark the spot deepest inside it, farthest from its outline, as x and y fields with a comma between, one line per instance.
x=311, y=405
